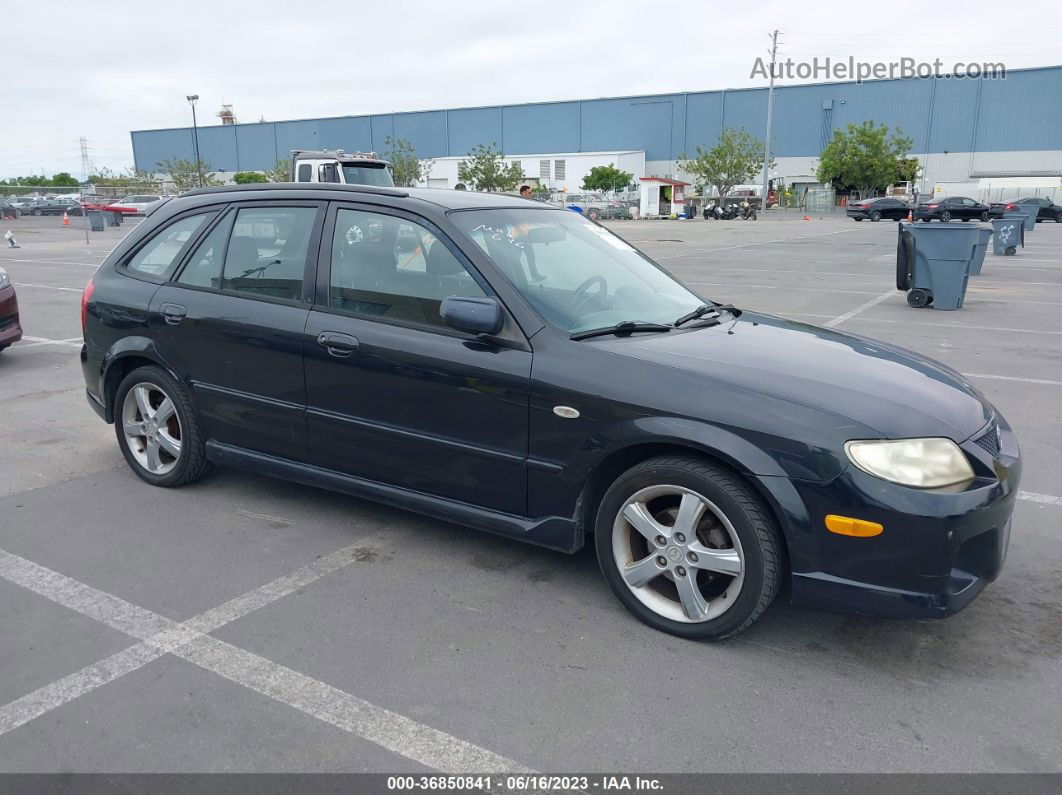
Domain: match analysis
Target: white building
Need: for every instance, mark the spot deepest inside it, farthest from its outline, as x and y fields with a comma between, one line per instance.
x=562, y=172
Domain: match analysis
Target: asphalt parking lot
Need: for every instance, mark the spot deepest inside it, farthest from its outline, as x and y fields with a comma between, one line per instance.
x=247, y=624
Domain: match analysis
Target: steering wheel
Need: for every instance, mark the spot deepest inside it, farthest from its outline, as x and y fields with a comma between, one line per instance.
x=582, y=293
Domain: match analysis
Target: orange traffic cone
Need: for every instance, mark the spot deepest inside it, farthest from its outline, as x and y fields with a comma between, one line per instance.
x=66, y=221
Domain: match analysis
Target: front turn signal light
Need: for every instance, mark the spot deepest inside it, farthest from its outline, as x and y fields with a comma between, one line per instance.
x=847, y=526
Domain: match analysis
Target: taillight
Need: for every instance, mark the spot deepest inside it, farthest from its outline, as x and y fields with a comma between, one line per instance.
x=1010, y=206
x=85, y=298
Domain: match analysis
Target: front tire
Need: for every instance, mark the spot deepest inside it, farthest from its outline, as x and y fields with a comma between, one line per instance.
x=688, y=547
x=158, y=431
x=875, y=216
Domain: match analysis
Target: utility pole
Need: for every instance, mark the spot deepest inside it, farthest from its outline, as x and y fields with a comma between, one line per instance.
x=770, y=110
x=192, y=99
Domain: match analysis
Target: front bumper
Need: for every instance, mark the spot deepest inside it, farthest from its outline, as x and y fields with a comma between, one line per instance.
x=938, y=551
x=10, y=328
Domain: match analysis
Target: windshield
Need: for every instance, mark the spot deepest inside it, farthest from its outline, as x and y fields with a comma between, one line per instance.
x=576, y=274
x=368, y=174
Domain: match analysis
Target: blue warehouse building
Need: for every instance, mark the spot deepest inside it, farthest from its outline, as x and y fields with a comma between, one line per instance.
x=964, y=130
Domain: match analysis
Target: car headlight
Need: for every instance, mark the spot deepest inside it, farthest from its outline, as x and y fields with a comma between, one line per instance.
x=4, y=280
x=920, y=463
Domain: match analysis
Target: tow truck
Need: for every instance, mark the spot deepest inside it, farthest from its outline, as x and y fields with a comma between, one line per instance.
x=346, y=168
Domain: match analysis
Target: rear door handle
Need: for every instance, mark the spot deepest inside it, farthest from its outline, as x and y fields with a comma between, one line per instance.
x=173, y=313
x=339, y=345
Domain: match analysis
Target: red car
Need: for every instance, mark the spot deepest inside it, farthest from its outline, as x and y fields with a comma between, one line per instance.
x=10, y=330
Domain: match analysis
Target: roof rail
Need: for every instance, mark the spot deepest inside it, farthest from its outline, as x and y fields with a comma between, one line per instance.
x=333, y=186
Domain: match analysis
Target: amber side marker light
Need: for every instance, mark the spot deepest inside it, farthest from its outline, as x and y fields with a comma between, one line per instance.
x=847, y=526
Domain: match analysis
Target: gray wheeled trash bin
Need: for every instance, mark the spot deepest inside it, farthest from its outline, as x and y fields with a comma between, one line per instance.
x=111, y=217
x=1030, y=211
x=933, y=263
x=1008, y=233
x=95, y=220
x=984, y=234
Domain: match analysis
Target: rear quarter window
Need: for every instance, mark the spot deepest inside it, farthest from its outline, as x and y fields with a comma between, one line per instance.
x=161, y=252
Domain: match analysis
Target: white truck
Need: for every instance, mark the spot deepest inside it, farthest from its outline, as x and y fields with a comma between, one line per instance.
x=346, y=168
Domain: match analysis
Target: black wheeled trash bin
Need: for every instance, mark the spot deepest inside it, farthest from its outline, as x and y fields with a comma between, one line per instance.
x=984, y=234
x=1008, y=233
x=933, y=263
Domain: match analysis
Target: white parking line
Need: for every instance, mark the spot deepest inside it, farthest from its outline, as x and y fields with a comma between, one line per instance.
x=50, y=262
x=1046, y=499
x=861, y=308
x=1015, y=378
x=964, y=326
x=160, y=635
x=34, y=342
x=51, y=287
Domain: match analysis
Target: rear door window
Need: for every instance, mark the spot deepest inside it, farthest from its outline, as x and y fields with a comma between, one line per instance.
x=266, y=253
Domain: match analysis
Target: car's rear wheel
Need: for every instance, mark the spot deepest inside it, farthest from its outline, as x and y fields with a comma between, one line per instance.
x=37, y=212
x=688, y=547
x=855, y=218
x=157, y=428
x=1058, y=217
x=945, y=216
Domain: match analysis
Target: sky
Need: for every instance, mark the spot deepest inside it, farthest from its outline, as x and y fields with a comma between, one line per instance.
x=98, y=71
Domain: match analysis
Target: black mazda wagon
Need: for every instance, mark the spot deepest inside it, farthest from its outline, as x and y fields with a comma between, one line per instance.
x=517, y=368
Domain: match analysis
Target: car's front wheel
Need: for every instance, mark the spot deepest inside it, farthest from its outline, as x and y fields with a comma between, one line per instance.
x=875, y=216
x=157, y=428
x=688, y=547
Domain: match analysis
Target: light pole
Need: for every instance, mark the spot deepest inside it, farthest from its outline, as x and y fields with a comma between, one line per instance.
x=770, y=109
x=192, y=98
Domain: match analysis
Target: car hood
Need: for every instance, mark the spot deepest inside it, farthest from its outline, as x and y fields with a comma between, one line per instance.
x=898, y=393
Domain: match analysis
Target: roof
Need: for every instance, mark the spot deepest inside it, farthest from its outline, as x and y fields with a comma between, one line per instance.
x=665, y=180
x=443, y=197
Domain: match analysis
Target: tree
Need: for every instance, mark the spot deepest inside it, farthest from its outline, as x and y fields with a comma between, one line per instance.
x=487, y=170
x=607, y=178
x=408, y=168
x=281, y=171
x=736, y=159
x=249, y=177
x=865, y=157
x=130, y=178
x=64, y=180
x=185, y=175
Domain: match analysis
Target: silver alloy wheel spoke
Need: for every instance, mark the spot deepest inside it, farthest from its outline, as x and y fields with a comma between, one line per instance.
x=693, y=602
x=134, y=428
x=169, y=444
x=642, y=572
x=721, y=561
x=691, y=508
x=164, y=411
x=154, y=463
x=143, y=403
x=637, y=513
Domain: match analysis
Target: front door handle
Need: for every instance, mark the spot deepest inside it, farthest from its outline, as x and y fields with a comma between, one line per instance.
x=339, y=345
x=173, y=313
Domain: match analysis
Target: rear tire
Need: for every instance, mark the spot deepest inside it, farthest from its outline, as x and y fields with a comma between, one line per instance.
x=171, y=450
x=730, y=544
x=945, y=217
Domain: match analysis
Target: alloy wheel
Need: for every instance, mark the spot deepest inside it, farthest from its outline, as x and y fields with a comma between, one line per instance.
x=678, y=554
x=152, y=428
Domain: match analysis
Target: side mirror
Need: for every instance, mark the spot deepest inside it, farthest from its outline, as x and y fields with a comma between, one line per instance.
x=472, y=315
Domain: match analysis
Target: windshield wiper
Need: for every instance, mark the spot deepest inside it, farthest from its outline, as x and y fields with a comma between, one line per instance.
x=703, y=310
x=624, y=327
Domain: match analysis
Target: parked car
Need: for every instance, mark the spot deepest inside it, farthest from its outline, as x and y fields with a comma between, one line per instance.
x=1049, y=211
x=132, y=205
x=10, y=330
x=9, y=210
x=595, y=206
x=876, y=209
x=56, y=207
x=527, y=372
x=959, y=208
x=25, y=204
